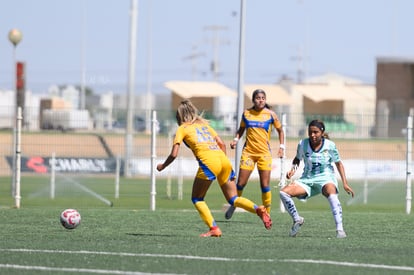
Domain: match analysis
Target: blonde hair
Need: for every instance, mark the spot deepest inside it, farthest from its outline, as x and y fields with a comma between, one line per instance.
x=188, y=113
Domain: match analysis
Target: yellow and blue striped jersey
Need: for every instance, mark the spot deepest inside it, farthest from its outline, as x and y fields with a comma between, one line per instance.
x=200, y=138
x=258, y=125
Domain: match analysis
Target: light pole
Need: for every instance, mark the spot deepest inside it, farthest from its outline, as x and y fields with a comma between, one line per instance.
x=15, y=36
x=131, y=86
x=240, y=79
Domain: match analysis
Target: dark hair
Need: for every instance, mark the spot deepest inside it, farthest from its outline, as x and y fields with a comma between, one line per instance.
x=259, y=91
x=319, y=123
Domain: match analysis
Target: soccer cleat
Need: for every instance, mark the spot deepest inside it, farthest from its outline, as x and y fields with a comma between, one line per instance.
x=340, y=234
x=264, y=216
x=296, y=227
x=229, y=212
x=214, y=232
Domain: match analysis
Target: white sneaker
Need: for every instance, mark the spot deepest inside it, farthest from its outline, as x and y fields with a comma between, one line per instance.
x=229, y=212
x=340, y=234
x=296, y=227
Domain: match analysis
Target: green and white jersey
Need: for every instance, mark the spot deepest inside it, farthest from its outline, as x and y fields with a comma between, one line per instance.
x=318, y=163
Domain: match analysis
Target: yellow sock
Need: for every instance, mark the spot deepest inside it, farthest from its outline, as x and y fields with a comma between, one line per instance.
x=267, y=200
x=244, y=203
x=205, y=213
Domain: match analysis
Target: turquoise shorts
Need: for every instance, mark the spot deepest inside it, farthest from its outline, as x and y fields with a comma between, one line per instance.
x=313, y=186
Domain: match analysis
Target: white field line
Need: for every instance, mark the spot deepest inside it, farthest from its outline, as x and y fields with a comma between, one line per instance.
x=89, y=191
x=360, y=196
x=219, y=259
x=76, y=270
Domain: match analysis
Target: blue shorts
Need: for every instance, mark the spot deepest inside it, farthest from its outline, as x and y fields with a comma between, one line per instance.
x=313, y=186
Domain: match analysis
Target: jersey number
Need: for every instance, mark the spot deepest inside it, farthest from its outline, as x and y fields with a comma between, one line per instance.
x=203, y=135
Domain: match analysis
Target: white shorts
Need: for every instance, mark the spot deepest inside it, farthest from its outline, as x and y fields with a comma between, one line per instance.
x=313, y=186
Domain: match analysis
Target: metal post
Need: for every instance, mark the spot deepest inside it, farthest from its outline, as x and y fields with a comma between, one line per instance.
x=117, y=172
x=409, y=160
x=18, y=156
x=15, y=36
x=180, y=182
x=240, y=97
x=366, y=183
x=13, y=183
x=282, y=181
x=83, y=71
x=131, y=84
x=148, y=98
x=52, y=176
x=168, y=188
x=153, y=158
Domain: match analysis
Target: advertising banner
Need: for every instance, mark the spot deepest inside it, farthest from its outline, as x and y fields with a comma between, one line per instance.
x=43, y=165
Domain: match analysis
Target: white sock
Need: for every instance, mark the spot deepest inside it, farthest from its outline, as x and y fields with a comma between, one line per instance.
x=336, y=210
x=289, y=205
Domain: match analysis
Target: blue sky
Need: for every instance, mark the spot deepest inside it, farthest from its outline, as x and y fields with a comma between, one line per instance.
x=317, y=36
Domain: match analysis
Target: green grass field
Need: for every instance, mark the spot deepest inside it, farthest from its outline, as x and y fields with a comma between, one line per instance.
x=128, y=238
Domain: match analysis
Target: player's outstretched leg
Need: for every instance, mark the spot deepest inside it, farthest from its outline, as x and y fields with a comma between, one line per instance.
x=229, y=212
x=264, y=216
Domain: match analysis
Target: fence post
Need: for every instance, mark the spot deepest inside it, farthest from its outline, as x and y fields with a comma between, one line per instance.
x=52, y=176
x=409, y=160
x=366, y=182
x=18, y=157
x=282, y=181
x=168, y=188
x=117, y=172
x=180, y=179
x=153, y=158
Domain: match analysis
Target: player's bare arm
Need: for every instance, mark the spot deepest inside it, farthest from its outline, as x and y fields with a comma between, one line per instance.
x=345, y=184
x=295, y=165
x=171, y=157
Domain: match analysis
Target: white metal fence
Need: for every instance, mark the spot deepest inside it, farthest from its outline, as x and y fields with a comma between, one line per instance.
x=365, y=156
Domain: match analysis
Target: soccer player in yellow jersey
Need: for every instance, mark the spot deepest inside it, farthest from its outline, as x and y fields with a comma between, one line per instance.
x=257, y=122
x=210, y=152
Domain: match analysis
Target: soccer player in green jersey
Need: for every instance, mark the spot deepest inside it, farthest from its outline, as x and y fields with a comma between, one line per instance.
x=318, y=153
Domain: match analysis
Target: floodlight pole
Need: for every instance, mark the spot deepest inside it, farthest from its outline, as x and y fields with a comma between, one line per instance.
x=131, y=83
x=82, y=103
x=15, y=36
x=148, y=98
x=240, y=97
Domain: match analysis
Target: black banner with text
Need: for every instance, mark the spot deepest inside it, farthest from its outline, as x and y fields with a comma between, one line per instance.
x=43, y=165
